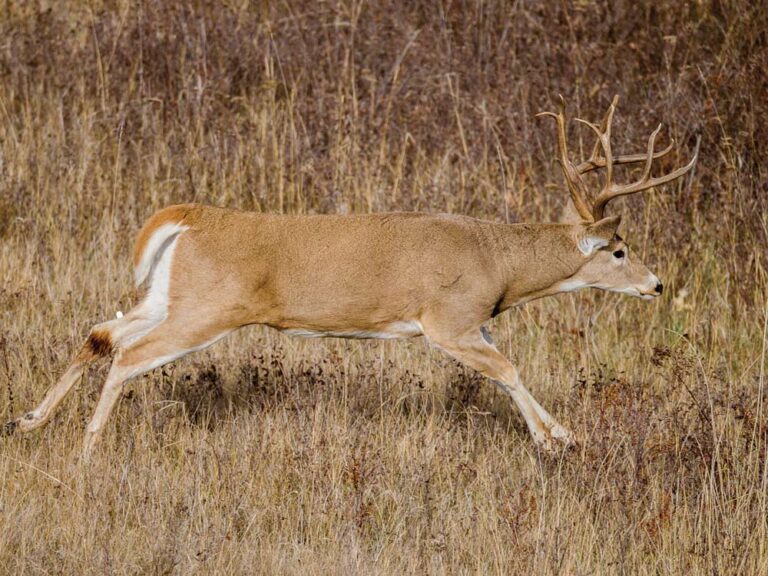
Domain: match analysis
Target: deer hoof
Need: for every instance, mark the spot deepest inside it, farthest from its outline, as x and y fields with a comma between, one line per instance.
x=555, y=439
x=9, y=428
x=563, y=436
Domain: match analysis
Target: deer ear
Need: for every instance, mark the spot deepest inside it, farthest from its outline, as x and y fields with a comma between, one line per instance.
x=599, y=234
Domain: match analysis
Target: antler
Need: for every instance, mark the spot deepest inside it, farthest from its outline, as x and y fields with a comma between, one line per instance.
x=576, y=185
x=608, y=161
x=611, y=190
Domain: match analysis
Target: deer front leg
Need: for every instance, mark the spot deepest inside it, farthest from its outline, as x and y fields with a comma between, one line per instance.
x=476, y=350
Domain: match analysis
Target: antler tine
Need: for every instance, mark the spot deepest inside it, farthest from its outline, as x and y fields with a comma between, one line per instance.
x=595, y=161
x=645, y=181
x=649, y=160
x=603, y=134
x=572, y=177
x=610, y=191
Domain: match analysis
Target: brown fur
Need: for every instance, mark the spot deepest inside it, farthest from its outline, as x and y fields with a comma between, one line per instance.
x=172, y=214
x=99, y=344
x=363, y=272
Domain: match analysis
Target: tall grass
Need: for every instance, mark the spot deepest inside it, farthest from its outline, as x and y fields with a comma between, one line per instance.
x=273, y=455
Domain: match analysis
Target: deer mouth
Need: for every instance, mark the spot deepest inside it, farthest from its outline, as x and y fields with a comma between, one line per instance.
x=648, y=294
x=637, y=292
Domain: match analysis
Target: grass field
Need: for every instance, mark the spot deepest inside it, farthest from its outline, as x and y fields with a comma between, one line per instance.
x=272, y=455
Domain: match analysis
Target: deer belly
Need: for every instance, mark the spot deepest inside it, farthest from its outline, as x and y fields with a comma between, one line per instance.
x=393, y=330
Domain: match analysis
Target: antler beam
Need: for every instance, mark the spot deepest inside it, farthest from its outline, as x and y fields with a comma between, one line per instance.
x=576, y=185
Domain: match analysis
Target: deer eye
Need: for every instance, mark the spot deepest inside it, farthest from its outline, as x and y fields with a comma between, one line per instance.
x=619, y=254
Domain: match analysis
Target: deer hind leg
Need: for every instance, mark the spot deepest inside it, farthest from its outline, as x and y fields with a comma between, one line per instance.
x=169, y=341
x=476, y=350
x=103, y=339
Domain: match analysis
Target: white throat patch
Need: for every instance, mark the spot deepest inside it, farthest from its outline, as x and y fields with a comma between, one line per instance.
x=571, y=285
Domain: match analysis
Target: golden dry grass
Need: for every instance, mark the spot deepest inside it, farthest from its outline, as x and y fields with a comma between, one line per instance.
x=273, y=455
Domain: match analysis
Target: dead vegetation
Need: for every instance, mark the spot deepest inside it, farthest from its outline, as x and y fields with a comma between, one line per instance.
x=274, y=455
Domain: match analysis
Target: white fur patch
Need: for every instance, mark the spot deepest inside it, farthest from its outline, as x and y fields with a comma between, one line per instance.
x=154, y=249
x=154, y=308
x=571, y=285
x=402, y=329
x=589, y=244
x=156, y=301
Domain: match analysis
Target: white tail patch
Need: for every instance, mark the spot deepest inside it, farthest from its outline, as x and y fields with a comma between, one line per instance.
x=153, y=309
x=160, y=240
x=155, y=304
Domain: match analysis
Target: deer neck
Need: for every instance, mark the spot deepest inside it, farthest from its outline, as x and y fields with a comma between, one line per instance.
x=537, y=260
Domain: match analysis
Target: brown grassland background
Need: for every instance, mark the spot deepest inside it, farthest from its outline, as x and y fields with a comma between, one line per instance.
x=272, y=455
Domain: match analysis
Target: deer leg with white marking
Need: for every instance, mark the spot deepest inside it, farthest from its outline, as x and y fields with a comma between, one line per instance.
x=476, y=350
x=169, y=341
x=103, y=339
x=98, y=344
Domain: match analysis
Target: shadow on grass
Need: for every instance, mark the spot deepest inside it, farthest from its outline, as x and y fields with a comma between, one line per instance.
x=208, y=393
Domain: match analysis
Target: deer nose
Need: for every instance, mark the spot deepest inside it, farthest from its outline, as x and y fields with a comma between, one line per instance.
x=659, y=288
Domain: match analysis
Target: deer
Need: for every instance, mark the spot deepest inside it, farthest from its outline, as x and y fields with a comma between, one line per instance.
x=207, y=271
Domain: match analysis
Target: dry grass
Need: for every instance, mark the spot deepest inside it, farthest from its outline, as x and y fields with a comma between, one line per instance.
x=274, y=455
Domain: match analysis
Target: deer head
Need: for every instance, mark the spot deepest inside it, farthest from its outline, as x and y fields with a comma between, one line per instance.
x=608, y=264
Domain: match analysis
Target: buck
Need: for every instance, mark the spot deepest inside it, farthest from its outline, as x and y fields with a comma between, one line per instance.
x=210, y=271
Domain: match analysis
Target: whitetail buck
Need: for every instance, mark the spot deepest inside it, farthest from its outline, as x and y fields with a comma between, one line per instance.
x=211, y=271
